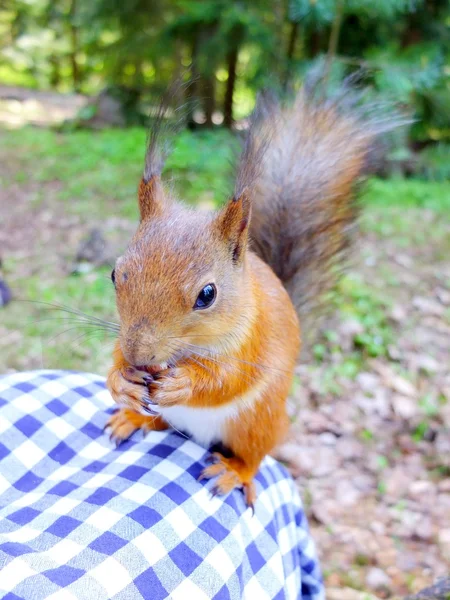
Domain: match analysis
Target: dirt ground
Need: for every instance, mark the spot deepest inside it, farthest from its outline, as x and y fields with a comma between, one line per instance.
x=373, y=461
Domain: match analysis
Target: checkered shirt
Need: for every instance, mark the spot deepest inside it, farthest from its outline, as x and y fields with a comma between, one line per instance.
x=82, y=519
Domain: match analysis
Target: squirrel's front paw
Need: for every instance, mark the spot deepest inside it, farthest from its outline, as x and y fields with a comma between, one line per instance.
x=170, y=387
x=129, y=387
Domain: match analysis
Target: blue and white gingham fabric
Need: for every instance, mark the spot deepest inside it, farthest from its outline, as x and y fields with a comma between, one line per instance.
x=80, y=519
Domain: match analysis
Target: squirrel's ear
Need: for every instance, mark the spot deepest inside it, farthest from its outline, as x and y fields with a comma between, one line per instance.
x=151, y=197
x=233, y=222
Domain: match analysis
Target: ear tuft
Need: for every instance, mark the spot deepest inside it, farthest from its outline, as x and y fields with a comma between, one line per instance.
x=233, y=222
x=150, y=197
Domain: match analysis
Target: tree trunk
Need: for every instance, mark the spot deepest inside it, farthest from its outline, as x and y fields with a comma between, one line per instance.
x=232, y=58
x=209, y=103
x=315, y=44
x=208, y=69
x=334, y=37
x=191, y=89
x=73, y=56
x=290, y=51
x=138, y=74
x=292, y=41
x=178, y=72
x=55, y=73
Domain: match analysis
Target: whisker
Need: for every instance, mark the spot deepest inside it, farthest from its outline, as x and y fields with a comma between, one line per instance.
x=179, y=337
x=250, y=378
x=80, y=322
x=85, y=337
x=92, y=336
x=51, y=339
x=201, y=365
x=73, y=311
x=284, y=372
x=234, y=368
x=173, y=427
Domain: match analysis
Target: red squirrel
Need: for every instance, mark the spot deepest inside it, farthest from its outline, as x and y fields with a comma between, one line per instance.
x=209, y=335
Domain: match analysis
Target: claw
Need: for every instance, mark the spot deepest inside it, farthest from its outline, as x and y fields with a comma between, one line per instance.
x=136, y=376
x=229, y=477
x=250, y=495
x=147, y=400
x=202, y=476
x=214, y=470
x=112, y=438
x=214, y=457
x=149, y=411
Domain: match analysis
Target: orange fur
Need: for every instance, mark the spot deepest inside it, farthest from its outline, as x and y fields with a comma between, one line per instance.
x=262, y=357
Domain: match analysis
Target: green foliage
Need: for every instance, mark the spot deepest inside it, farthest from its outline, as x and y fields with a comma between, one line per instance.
x=408, y=193
x=140, y=45
x=201, y=165
x=416, y=77
x=313, y=13
x=429, y=407
x=420, y=432
x=434, y=162
x=382, y=462
x=358, y=301
x=366, y=435
x=324, y=11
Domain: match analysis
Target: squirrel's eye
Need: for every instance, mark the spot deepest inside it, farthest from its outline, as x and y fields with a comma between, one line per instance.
x=206, y=297
x=113, y=276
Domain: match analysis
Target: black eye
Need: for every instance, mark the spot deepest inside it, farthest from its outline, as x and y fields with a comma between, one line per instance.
x=206, y=297
x=113, y=276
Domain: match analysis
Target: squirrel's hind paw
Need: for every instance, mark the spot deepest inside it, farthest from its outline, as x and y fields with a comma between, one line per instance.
x=230, y=473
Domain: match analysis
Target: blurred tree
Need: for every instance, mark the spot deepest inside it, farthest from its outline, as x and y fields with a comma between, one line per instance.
x=74, y=45
x=215, y=32
x=230, y=48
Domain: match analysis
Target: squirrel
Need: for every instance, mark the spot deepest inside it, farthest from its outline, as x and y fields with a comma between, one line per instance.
x=209, y=301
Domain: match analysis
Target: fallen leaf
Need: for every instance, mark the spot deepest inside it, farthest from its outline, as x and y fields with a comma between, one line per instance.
x=377, y=579
x=349, y=594
x=404, y=406
x=428, y=306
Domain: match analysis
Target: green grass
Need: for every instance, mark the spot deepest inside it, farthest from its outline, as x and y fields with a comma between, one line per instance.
x=97, y=174
x=101, y=170
x=408, y=193
x=50, y=338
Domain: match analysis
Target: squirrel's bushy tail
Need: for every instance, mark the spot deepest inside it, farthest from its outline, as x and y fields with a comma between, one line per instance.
x=302, y=162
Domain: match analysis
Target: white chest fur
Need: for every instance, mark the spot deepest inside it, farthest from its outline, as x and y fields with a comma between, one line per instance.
x=205, y=425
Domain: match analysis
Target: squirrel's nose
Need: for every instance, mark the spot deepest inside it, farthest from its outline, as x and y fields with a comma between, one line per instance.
x=129, y=353
x=137, y=348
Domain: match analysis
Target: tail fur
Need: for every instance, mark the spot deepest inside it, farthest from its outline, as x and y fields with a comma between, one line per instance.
x=303, y=162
